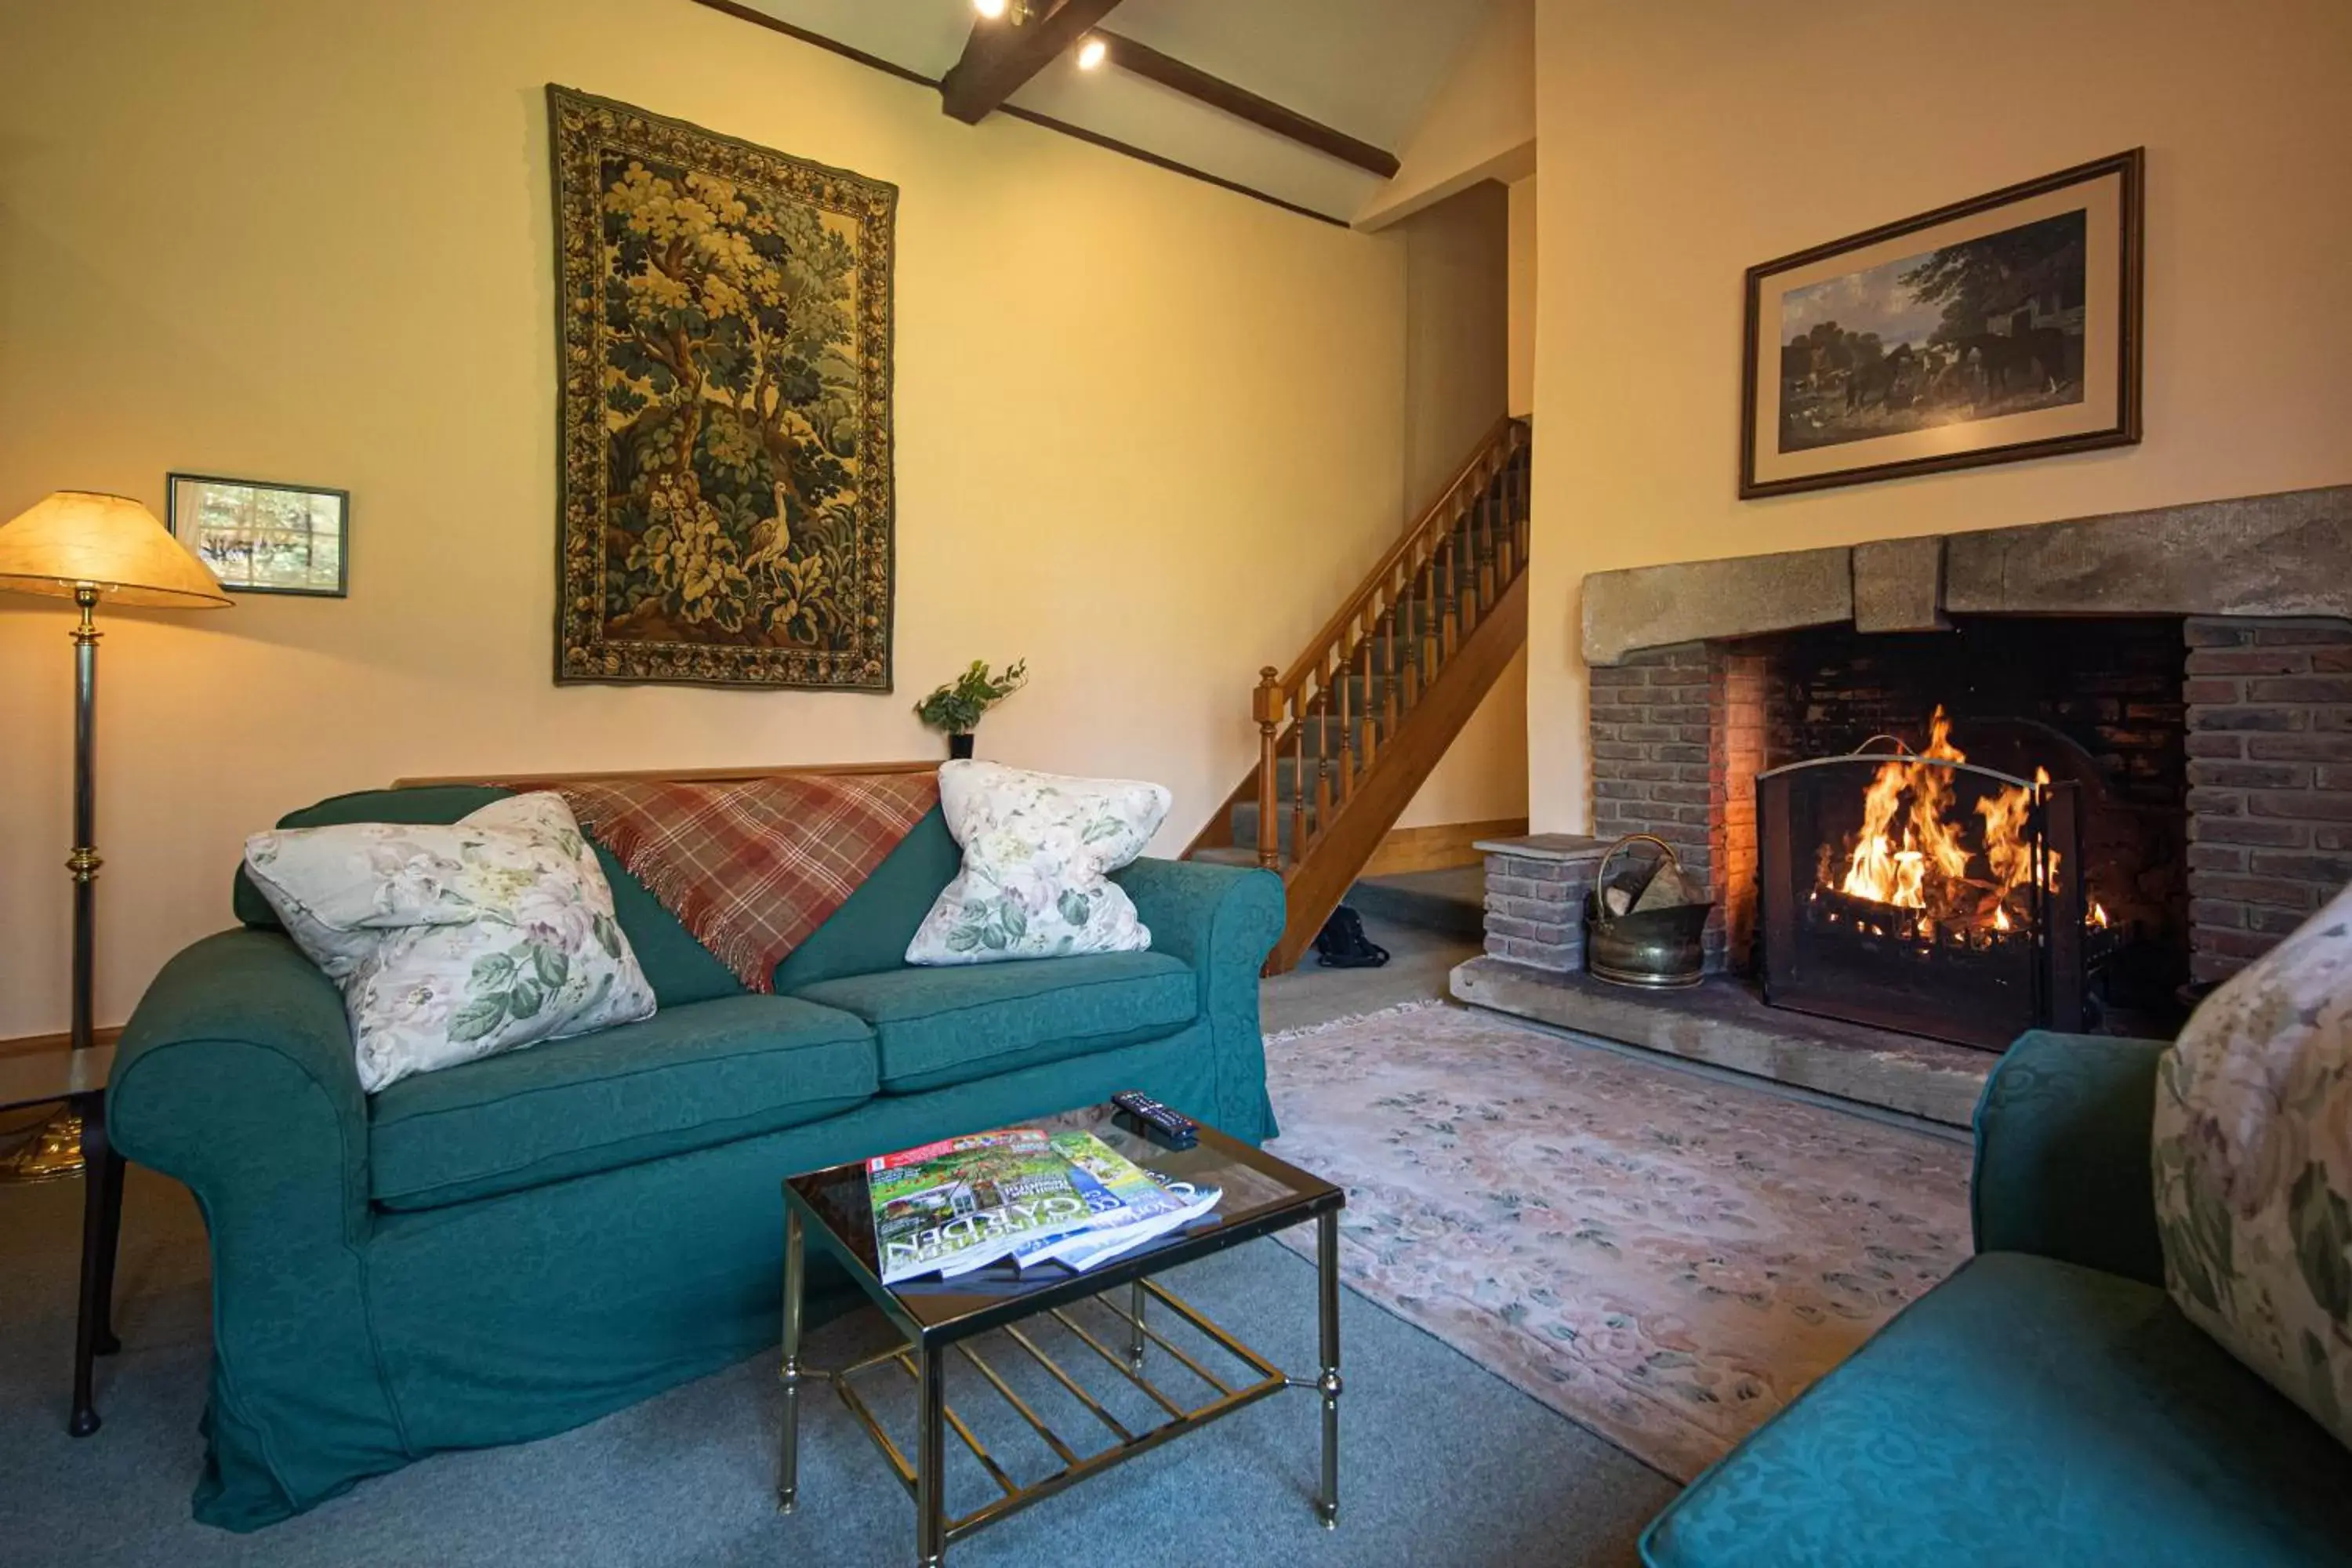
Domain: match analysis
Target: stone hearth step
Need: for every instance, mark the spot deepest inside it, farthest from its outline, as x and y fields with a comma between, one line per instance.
x=1724, y=1023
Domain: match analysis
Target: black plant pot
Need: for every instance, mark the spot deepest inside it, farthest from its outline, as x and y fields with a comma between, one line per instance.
x=959, y=745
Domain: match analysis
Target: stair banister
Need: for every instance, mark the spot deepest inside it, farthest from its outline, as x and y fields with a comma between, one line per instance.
x=1386, y=683
x=1473, y=475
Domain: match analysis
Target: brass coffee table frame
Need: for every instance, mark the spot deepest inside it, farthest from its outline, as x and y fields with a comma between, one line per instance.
x=924, y=1354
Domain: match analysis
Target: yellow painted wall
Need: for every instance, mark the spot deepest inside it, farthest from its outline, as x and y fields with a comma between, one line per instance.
x=1457, y=341
x=1148, y=431
x=1684, y=144
x=1521, y=374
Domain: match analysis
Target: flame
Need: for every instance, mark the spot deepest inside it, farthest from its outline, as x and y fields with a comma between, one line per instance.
x=2007, y=849
x=1928, y=868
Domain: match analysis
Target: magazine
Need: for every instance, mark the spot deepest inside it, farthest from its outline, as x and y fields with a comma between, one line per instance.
x=1065, y=1197
x=1123, y=1196
x=1087, y=1249
x=964, y=1202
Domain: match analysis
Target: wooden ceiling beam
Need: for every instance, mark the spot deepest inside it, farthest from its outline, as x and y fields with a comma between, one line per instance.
x=1173, y=74
x=1000, y=59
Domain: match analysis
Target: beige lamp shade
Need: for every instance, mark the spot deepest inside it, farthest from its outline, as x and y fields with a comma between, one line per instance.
x=108, y=543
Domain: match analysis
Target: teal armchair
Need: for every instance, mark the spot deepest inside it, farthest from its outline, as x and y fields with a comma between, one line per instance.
x=2046, y=1404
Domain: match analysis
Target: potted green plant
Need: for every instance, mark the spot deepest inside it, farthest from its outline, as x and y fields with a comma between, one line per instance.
x=954, y=710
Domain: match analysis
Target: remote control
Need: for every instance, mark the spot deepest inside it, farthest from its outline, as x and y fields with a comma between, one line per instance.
x=1156, y=1121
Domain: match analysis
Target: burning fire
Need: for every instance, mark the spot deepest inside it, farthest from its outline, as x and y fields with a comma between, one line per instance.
x=1910, y=855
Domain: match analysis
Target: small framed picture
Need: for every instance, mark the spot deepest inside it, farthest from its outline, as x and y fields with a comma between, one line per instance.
x=2002, y=327
x=262, y=538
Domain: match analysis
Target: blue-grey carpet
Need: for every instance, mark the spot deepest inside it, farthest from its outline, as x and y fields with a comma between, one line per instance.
x=1442, y=1463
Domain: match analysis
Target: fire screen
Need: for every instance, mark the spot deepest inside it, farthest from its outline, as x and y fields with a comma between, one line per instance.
x=1925, y=894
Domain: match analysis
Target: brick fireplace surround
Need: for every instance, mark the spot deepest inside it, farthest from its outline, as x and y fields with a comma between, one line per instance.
x=1682, y=719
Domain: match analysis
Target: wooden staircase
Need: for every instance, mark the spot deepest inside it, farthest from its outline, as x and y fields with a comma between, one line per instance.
x=1350, y=731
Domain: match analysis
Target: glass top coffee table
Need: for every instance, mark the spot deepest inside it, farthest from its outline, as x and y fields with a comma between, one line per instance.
x=1100, y=1320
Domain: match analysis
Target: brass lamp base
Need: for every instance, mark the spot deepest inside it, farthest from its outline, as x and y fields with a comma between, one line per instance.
x=52, y=1153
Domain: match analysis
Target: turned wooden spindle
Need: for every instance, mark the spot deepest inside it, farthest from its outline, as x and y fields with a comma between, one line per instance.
x=1322, y=766
x=1347, y=704
x=1446, y=627
x=1298, y=777
x=1520, y=508
x=1266, y=705
x=1392, y=683
x=1486, y=530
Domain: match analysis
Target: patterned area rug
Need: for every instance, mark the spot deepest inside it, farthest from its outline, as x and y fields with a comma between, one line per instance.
x=1662, y=1258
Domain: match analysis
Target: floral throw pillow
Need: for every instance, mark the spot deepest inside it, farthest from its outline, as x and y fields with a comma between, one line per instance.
x=1035, y=850
x=455, y=942
x=2253, y=1166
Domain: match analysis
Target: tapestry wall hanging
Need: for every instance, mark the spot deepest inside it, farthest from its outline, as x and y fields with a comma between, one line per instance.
x=723, y=323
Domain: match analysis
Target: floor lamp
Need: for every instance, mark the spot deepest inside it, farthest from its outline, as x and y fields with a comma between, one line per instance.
x=89, y=547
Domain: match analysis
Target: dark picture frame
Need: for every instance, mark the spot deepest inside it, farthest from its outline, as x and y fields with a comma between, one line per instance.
x=233, y=547
x=2014, y=319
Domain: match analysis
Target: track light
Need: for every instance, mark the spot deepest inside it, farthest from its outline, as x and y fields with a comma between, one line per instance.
x=1092, y=53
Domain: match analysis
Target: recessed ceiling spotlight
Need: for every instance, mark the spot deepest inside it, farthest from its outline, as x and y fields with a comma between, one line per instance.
x=992, y=9
x=1092, y=53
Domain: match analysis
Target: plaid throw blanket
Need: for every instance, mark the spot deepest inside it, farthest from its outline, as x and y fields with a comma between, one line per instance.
x=751, y=867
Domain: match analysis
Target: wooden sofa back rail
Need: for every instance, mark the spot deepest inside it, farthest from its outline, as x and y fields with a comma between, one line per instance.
x=697, y=775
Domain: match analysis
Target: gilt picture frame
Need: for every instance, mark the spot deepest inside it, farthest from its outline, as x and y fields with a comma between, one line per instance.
x=725, y=497
x=1999, y=328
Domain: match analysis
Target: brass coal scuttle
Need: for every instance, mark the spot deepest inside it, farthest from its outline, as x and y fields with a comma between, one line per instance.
x=1652, y=942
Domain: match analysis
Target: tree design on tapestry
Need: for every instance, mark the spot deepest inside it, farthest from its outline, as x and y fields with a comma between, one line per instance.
x=726, y=325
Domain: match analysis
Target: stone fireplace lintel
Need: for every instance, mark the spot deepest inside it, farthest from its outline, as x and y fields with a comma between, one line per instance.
x=2288, y=554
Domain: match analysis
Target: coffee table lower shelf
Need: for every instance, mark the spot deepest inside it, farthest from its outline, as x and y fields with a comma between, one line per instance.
x=922, y=1474
x=1128, y=1361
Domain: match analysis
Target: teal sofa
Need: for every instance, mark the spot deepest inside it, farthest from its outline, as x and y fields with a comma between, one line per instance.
x=2046, y=1404
x=502, y=1250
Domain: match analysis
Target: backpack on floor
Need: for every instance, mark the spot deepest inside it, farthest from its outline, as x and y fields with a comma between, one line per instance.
x=1341, y=943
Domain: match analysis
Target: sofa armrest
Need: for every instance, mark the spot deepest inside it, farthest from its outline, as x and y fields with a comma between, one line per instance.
x=2063, y=1167
x=1221, y=921
x=236, y=1075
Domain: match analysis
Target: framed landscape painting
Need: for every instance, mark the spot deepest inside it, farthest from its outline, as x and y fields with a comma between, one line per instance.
x=2003, y=327
x=723, y=327
x=263, y=538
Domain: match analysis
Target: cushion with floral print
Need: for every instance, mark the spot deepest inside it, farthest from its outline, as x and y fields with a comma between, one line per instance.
x=455, y=942
x=2253, y=1166
x=1036, y=848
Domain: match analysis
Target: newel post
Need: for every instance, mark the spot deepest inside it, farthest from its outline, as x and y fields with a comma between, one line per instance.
x=1266, y=704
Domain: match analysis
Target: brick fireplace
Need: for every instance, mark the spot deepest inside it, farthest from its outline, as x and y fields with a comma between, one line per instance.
x=2191, y=666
